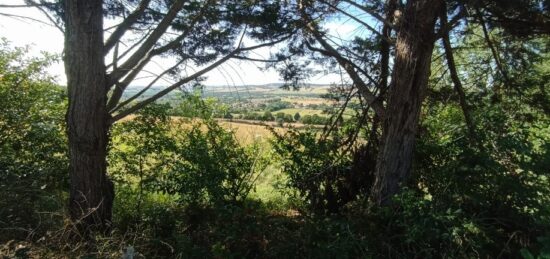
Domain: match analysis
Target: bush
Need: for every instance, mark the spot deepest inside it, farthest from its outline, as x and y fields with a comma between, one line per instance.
x=199, y=163
x=503, y=187
x=33, y=155
x=325, y=175
x=211, y=167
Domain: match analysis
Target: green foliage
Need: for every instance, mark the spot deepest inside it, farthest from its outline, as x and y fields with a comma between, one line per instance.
x=314, y=119
x=210, y=166
x=140, y=154
x=544, y=253
x=33, y=165
x=422, y=227
x=198, y=162
x=297, y=116
x=503, y=188
x=193, y=106
x=320, y=169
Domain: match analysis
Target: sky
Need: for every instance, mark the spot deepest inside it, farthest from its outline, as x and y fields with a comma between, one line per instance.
x=42, y=36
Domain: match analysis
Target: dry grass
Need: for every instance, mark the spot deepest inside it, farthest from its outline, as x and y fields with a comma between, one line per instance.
x=304, y=100
x=247, y=133
x=302, y=112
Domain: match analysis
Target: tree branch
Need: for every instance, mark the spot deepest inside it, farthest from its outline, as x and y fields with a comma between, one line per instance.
x=256, y=59
x=494, y=52
x=142, y=53
x=348, y=67
x=128, y=50
x=129, y=100
x=457, y=83
x=194, y=76
x=30, y=4
x=372, y=13
x=125, y=25
x=121, y=87
x=384, y=37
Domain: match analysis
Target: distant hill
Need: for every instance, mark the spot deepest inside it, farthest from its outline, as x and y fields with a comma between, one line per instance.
x=221, y=90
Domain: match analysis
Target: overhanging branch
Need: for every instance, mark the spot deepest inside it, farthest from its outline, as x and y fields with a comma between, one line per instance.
x=190, y=78
x=142, y=53
x=125, y=25
x=347, y=65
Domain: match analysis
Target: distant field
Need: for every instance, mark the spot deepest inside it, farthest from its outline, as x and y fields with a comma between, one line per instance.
x=304, y=100
x=248, y=133
x=302, y=112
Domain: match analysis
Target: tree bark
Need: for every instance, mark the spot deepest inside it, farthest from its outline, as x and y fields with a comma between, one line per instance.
x=91, y=191
x=414, y=46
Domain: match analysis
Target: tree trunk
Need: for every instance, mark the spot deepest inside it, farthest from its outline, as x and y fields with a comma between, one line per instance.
x=414, y=46
x=91, y=191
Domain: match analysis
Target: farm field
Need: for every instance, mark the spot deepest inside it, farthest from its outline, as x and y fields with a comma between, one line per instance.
x=302, y=112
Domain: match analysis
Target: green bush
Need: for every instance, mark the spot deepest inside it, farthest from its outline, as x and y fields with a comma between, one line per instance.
x=196, y=162
x=501, y=188
x=324, y=174
x=33, y=154
x=210, y=166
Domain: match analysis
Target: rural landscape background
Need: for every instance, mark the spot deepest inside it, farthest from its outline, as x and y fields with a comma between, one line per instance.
x=431, y=140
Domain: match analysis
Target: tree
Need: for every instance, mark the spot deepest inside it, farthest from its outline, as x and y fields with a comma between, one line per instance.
x=408, y=31
x=204, y=34
x=414, y=46
x=288, y=118
x=415, y=37
x=297, y=116
x=267, y=116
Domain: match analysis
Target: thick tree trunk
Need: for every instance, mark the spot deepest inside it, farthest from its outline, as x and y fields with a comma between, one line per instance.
x=414, y=46
x=91, y=192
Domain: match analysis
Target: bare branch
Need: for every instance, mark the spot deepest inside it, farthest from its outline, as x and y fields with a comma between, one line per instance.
x=256, y=59
x=121, y=86
x=372, y=13
x=494, y=52
x=30, y=4
x=21, y=17
x=353, y=17
x=40, y=7
x=190, y=78
x=125, y=25
x=137, y=95
x=348, y=66
x=127, y=51
x=142, y=53
x=458, y=84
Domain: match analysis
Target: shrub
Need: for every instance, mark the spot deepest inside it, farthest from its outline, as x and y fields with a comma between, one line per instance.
x=503, y=187
x=324, y=174
x=210, y=166
x=33, y=155
x=197, y=162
